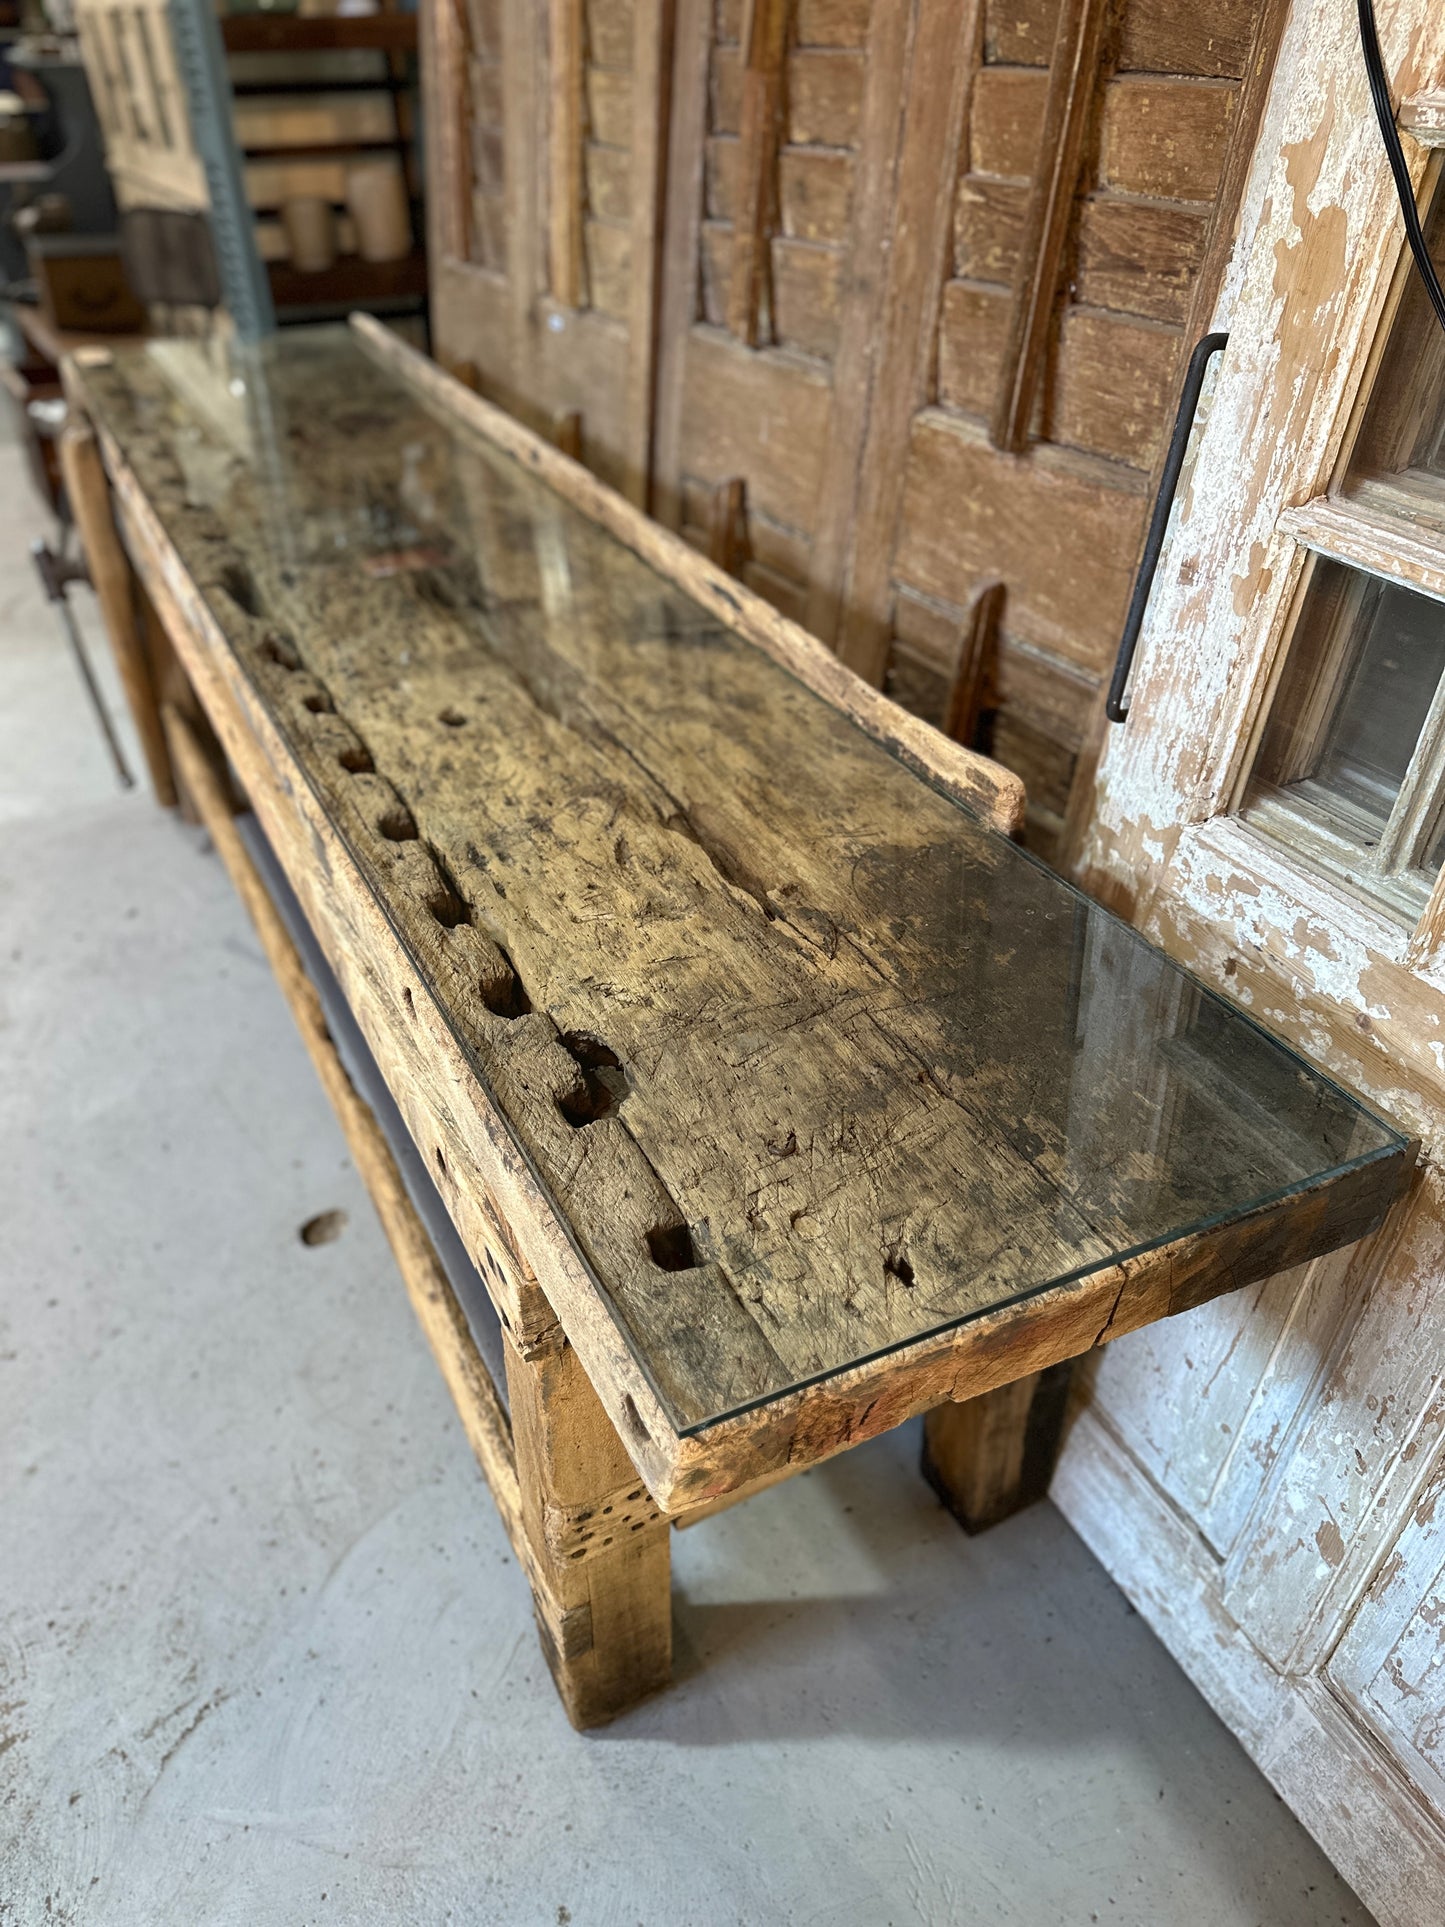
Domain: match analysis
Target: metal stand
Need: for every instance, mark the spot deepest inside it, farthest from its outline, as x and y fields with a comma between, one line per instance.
x=201, y=63
x=57, y=571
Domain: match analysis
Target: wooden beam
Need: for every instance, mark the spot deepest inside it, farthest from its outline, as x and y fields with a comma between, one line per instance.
x=653, y=24
x=604, y=1611
x=564, y=151
x=992, y=1456
x=895, y=220
x=446, y=65
x=110, y=574
x=711, y=1507
x=1073, y=84
x=765, y=33
x=175, y=695
x=523, y=61
x=680, y=228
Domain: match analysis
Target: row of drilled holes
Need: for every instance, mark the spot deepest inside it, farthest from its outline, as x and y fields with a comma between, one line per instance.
x=601, y=1083
x=602, y=1080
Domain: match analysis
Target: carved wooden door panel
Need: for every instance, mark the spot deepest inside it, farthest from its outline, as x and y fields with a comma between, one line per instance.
x=786, y=121
x=547, y=131
x=1031, y=363
x=1263, y=1477
x=883, y=302
x=930, y=273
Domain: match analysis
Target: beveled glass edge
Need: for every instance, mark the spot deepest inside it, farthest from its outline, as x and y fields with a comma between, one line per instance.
x=1174, y=1236
x=1398, y=1140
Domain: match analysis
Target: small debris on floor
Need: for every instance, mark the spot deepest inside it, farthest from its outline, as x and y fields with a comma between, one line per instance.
x=324, y=1229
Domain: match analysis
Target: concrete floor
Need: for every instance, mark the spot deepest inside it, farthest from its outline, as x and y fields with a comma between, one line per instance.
x=264, y=1656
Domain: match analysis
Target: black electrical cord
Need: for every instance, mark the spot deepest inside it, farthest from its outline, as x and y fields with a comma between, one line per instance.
x=1385, y=114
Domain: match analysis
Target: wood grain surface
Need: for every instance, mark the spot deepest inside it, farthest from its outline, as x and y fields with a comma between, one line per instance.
x=790, y=1042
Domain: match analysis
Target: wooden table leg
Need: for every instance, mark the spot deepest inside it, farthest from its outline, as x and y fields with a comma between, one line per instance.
x=176, y=697
x=992, y=1456
x=88, y=492
x=600, y=1557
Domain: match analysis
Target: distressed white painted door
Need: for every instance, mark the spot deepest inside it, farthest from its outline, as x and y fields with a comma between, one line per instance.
x=1262, y=1476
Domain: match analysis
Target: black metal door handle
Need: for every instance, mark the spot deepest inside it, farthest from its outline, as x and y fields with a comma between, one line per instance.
x=1204, y=352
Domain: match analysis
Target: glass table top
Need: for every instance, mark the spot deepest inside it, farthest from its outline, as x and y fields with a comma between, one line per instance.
x=811, y=1062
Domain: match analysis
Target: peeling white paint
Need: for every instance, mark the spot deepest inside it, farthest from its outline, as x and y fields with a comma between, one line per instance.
x=1342, y=1430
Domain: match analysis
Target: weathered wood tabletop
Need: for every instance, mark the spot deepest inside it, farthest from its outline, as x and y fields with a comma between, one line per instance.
x=831, y=1101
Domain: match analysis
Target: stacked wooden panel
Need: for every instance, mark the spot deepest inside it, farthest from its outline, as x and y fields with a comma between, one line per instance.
x=315, y=96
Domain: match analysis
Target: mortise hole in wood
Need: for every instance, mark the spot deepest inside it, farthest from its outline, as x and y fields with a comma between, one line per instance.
x=601, y=1082
x=897, y=1265
x=357, y=758
x=453, y=718
x=239, y=584
x=398, y=825
x=447, y=907
x=441, y=1161
x=318, y=702
x=276, y=648
x=504, y=994
x=672, y=1247
x=634, y=1419
x=406, y=998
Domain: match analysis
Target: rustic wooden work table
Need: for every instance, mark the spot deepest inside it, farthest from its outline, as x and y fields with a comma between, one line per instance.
x=773, y=1093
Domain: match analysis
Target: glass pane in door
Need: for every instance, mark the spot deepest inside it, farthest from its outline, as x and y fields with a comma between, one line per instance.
x=1367, y=659
x=1398, y=650
x=1399, y=459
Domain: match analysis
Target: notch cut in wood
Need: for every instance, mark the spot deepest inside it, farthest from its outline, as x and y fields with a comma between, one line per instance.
x=727, y=538
x=567, y=433
x=977, y=651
